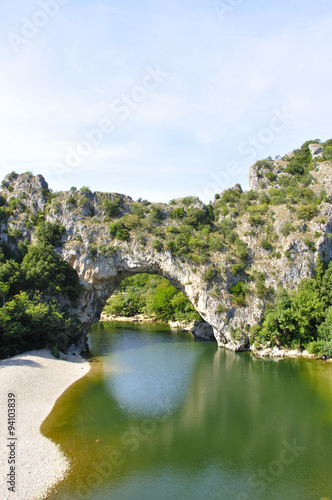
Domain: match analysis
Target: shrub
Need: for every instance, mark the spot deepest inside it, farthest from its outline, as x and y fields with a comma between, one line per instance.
x=287, y=228
x=157, y=245
x=177, y=213
x=118, y=231
x=196, y=217
x=209, y=274
x=4, y=214
x=72, y=200
x=256, y=221
x=327, y=349
x=14, y=204
x=14, y=235
x=136, y=209
x=107, y=250
x=266, y=245
x=131, y=221
x=156, y=215
x=252, y=195
x=271, y=177
x=172, y=229
x=240, y=249
x=189, y=200
x=263, y=164
x=295, y=169
x=50, y=233
x=306, y=212
x=254, y=332
x=310, y=244
x=238, y=291
x=111, y=207
x=261, y=290
x=237, y=269
x=284, y=180
x=83, y=201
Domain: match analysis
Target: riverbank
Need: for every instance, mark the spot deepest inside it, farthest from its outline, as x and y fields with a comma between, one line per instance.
x=141, y=318
x=37, y=379
x=281, y=352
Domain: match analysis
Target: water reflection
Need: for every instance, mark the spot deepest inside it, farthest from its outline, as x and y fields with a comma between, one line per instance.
x=147, y=375
x=188, y=420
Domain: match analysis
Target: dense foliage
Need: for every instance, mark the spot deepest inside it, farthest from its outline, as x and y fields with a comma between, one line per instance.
x=153, y=296
x=34, y=285
x=302, y=318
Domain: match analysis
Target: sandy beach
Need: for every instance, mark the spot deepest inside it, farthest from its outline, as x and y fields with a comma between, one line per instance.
x=36, y=379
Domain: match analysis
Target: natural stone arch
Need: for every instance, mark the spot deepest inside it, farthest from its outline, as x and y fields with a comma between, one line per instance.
x=207, y=279
x=101, y=277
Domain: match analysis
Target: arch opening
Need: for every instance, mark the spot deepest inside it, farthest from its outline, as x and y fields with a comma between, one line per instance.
x=151, y=297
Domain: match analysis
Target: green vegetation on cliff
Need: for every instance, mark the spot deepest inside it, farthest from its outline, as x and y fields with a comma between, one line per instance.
x=36, y=285
x=236, y=252
x=301, y=318
x=151, y=295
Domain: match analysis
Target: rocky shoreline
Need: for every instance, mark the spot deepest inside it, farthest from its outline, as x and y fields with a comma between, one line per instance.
x=280, y=352
x=199, y=329
x=140, y=318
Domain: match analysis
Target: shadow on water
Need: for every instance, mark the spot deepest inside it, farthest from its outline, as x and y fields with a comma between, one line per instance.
x=181, y=419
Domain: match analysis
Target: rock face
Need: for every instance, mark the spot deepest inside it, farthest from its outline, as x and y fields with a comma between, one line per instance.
x=316, y=150
x=203, y=330
x=103, y=261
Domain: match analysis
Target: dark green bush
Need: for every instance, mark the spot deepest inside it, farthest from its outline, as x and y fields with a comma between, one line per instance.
x=189, y=200
x=256, y=221
x=267, y=245
x=196, y=217
x=118, y=231
x=157, y=245
x=209, y=274
x=237, y=269
x=271, y=177
x=50, y=233
x=238, y=289
x=177, y=213
x=156, y=215
x=111, y=207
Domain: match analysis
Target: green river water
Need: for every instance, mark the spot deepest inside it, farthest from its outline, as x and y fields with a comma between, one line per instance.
x=182, y=419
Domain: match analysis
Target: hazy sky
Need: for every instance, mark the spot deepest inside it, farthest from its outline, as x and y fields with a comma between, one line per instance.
x=157, y=98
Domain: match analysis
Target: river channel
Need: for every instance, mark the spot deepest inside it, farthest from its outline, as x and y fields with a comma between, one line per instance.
x=162, y=416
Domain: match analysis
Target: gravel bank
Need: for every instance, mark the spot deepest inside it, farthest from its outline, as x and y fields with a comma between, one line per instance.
x=37, y=379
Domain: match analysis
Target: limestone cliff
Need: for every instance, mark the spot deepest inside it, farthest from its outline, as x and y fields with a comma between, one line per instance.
x=275, y=253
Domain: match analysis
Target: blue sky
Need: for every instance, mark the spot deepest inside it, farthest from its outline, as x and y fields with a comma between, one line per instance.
x=160, y=99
